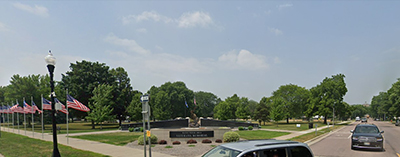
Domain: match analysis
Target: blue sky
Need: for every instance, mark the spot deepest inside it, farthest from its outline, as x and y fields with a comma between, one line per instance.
x=249, y=48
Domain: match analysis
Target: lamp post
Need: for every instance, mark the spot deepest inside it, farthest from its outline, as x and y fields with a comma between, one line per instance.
x=51, y=61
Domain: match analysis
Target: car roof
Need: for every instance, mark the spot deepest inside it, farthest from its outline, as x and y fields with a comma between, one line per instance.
x=249, y=145
x=373, y=125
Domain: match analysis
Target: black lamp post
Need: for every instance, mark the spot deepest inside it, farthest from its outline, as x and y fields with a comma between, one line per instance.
x=51, y=61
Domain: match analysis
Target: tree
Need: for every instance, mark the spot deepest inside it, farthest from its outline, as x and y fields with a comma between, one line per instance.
x=206, y=102
x=263, y=109
x=380, y=105
x=102, y=101
x=294, y=99
x=329, y=95
x=243, y=111
x=134, y=109
x=278, y=110
x=223, y=111
x=122, y=94
x=82, y=79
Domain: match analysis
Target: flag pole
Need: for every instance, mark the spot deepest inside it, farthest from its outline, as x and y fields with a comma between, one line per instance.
x=33, y=122
x=42, y=114
x=66, y=107
x=18, y=115
x=8, y=116
x=13, y=119
x=24, y=116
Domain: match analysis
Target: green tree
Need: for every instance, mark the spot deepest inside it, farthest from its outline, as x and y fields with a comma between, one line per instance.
x=394, y=98
x=223, y=111
x=206, y=102
x=329, y=95
x=135, y=107
x=102, y=101
x=263, y=109
x=278, y=110
x=243, y=111
x=122, y=94
x=82, y=79
x=380, y=105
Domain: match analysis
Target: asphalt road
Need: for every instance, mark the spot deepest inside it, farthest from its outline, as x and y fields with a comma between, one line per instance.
x=338, y=143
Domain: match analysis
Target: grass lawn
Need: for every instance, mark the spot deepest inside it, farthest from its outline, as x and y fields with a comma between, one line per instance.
x=13, y=145
x=260, y=134
x=291, y=126
x=76, y=127
x=311, y=135
x=119, y=138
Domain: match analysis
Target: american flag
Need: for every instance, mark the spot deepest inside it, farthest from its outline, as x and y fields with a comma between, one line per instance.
x=46, y=104
x=27, y=108
x=35, y=108
x=75, y=104
x=63, y=109
x=16, y=108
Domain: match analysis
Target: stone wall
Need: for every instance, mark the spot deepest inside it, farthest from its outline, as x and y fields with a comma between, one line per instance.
x=191, y=133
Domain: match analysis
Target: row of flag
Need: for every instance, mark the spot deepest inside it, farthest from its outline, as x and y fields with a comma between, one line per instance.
x=194, y=101
x=71, y=103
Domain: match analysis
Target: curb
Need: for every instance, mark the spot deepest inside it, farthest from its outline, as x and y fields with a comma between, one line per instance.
x=319, y=138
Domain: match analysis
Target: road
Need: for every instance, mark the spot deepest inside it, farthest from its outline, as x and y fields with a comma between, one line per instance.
x=338, y=144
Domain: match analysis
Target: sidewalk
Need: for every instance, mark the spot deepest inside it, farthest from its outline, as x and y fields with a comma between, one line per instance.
x=93, y=146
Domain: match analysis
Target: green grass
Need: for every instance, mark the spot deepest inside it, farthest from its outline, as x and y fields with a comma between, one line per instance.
x=76, y=127
x=168, y=147
x=291, y=126
x=119, y=138
x=13, y=145
x=260, y=134
x=192, y=145
x=213, y=145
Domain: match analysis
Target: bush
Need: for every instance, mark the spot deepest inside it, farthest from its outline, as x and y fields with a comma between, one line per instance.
x=131, y=129
x=162, y=142
x=231, y=137
x=176, y=142
x=240, y=128
x=206, y=141
x=191, y=141
x=250, y=127
x=153, y=139
x=218, y=141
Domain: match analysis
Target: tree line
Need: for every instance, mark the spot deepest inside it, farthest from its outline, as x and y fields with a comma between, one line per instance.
x=109, y=94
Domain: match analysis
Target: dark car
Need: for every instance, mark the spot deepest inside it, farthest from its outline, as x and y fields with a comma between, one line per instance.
x=366, y=136
x=363, y=120
x=261, y=148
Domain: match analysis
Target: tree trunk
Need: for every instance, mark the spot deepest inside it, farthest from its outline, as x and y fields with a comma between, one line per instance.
x=287, y=120
x=120, y=120
x=325, y=119
x=93, y=127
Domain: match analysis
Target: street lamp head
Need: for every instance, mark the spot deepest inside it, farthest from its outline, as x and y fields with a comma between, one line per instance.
x=50, y=59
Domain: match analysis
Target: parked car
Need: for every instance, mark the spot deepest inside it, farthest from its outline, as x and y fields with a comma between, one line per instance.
x=261, y=148
x=363, y=120
x=358, y=119
x=397, y=122
x=367, y=136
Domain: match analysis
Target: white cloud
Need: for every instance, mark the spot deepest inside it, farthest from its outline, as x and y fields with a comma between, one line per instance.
x=186, y=20
x=268, y=12
x=146, y=16
x=127, y=43
x=37, y=10
x=283, y=6
x=275, y=31
x=243, y=60
x=194, y=19
x=141, y=30
x=277, y=60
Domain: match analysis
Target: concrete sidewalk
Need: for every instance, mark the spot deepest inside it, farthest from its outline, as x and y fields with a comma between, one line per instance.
x=93, y=146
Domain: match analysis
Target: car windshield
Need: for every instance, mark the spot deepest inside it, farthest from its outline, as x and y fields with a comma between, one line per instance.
x=366, y=129
x=221, y=151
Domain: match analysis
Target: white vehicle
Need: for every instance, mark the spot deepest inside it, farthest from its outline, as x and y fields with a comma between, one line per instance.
x=358, y=119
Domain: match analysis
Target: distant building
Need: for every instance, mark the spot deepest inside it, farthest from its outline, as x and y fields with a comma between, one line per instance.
x=366, y=104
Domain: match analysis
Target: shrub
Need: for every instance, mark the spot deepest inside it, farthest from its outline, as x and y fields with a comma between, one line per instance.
x=250, y=127
x=240, y=128
x=162, y=142
x=131, y=129
x=153, y=139
x=218, y=141
x=206, y=141
x=176, y=142
x=231, y=137
x=191, y=141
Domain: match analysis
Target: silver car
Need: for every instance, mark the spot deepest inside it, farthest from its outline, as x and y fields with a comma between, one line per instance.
x=261, y=148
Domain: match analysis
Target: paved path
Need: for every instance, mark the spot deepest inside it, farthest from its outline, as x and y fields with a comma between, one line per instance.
x=93, y=146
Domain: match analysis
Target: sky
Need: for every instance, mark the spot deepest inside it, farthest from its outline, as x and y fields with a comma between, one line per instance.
x=248, y=48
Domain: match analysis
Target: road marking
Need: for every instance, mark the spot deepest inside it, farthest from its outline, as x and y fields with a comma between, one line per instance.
x=349, y=136
x=398, y=154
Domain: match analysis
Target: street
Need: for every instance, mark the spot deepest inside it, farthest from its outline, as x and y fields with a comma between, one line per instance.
x=338, y=143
